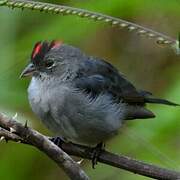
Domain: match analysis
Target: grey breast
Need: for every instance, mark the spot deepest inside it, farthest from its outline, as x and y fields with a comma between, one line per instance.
x=74, y=115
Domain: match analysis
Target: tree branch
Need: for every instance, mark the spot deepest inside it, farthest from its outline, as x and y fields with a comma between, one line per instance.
x=14, y=131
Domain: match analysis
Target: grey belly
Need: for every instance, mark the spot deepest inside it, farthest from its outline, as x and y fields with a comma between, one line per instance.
x=86, y=121
x=78, y=118
x=81, y=130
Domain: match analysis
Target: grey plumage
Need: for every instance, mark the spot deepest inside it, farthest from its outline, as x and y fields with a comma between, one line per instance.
x=82, y=98
x=73, y=114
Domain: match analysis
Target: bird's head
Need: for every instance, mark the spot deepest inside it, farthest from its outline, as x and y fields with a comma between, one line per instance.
x=50, y=59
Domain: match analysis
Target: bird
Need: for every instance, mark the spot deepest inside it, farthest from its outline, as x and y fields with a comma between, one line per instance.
x=81, y=98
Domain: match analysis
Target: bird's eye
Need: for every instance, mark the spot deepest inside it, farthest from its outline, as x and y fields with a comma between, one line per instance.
x=49, y=64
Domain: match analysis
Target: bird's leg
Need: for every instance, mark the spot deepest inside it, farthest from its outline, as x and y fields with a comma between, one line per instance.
x=96, y=153
x=57, y=140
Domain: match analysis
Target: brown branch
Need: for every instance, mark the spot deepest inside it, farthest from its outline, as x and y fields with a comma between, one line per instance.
x=123, y=162
x=32, y=137
x=29, y=136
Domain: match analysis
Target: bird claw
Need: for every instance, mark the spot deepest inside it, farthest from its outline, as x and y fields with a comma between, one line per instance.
x=96, y=153
x=57, y=141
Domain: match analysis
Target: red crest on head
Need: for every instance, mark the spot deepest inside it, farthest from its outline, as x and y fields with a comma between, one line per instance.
x=41, y=48
x=36, y=49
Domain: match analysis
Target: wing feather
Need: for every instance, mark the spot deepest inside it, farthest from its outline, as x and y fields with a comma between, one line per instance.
x=98, y=76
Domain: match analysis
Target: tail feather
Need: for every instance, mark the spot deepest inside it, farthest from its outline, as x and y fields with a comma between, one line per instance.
x=160, y=101
x=138, y=112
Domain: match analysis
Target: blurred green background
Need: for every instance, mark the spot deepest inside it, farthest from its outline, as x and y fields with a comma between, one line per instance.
x=148, y=66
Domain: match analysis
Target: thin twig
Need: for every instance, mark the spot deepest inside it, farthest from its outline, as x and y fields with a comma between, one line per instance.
x=123, y=162
x=32, y=137
x=66, y=10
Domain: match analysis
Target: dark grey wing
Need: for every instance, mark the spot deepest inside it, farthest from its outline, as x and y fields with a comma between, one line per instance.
x=97, y=76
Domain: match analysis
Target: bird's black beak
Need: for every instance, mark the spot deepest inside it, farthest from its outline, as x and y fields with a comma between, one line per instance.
x=28, y=71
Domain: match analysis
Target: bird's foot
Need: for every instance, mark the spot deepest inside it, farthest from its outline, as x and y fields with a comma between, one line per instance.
x=57, y=140
x=96, y=153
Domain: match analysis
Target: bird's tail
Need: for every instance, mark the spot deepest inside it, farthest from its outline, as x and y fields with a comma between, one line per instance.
x=160, y=101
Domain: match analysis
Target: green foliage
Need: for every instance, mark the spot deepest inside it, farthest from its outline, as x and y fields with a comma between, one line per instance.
x=148, y=66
